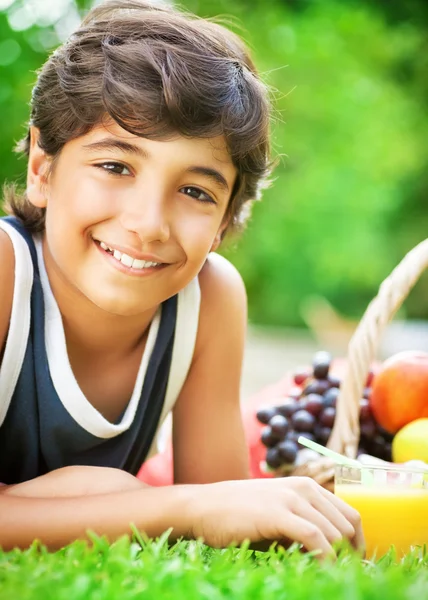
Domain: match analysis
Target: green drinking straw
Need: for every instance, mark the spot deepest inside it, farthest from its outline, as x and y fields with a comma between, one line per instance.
x=366, y=475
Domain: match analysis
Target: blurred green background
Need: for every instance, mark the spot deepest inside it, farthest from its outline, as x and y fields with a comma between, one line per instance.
x=349, y=82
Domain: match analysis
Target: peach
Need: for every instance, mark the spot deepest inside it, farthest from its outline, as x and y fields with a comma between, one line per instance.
x=400, y=390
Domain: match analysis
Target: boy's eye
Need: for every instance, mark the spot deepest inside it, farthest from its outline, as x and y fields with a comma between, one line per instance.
x=198, y=194
x=115, y=168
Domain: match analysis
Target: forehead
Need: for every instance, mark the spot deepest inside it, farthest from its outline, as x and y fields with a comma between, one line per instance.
x=203, y=150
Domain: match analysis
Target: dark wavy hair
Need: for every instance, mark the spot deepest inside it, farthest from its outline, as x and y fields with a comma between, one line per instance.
x=155, y=71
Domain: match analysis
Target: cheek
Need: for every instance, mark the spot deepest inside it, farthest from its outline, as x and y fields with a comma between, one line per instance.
x=82, y=202
x=197, y=235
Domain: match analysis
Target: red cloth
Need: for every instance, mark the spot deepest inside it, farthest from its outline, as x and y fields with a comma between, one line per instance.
x=159, y=471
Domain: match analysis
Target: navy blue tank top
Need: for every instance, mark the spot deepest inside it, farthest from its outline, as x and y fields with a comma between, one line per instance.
x=39, y=435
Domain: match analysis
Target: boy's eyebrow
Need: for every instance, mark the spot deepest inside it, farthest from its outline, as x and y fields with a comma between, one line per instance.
x=212, y=174
x=112, y=144
x=128, y=148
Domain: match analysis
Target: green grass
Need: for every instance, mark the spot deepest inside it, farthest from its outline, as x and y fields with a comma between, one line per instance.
x=190, y=571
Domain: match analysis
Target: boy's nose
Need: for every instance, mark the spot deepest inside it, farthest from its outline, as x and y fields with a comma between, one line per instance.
x=148, y=219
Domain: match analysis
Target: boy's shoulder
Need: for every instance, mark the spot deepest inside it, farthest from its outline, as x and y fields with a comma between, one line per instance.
x=223, y=310
x=7, y=281
x=223, y=295
x=220, y=280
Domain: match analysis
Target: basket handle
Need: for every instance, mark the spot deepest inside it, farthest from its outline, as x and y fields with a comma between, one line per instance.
x=364, y=344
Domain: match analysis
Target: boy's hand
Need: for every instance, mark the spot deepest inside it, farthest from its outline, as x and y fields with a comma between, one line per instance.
x=282, y=510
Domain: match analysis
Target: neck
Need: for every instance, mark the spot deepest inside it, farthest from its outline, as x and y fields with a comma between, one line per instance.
x=89, y=329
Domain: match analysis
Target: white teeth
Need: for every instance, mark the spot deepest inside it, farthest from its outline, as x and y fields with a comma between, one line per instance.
x=139, y=264
x=127, y=260
x=143, y=264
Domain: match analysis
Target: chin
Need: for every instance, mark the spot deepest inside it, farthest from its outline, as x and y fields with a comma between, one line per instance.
x=113, y=307
x=122, y=311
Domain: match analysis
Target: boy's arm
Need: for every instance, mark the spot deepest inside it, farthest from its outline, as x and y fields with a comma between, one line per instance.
x=208, y=436
x=57, y=521
x=293, y=508
x=7, y=279
x=221, y=513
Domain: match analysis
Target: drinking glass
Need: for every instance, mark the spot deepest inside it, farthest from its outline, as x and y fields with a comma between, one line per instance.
x=392, y=502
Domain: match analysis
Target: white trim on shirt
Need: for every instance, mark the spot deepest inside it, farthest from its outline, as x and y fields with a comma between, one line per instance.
x=66, y=386
x=20, y=318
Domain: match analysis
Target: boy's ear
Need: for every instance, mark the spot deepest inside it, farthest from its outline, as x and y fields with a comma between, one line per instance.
x=216, y=242
x=38, y=166
x=219, y=236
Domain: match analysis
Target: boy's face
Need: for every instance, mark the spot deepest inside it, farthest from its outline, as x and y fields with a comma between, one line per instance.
x=114, y=198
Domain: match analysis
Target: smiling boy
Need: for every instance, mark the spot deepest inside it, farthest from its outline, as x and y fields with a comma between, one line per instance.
x=148, y=140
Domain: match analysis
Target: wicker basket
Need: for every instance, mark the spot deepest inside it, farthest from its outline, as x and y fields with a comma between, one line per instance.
x=362, y=350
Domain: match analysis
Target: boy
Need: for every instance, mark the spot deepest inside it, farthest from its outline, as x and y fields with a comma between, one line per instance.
x=148, y=140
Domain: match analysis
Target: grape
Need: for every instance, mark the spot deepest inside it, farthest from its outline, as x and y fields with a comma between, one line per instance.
x=370, y=377
x=288, y=407
x=295, y=392
x=323, y=385
x=368, y=429
x=365, y=411
x=378, y=446
x=330, y=397
x=367, y=393
x=300, y=377
x=321, y=364
x=314, y=404
x=292, y=436
x=321, y=370
x=302, y=403
x=303, y=421
x=318, y=386
x=327, y=416
x=273, y=458
x=334, y=381
x=308, y=436
x=265, y=414
x=279, y=425
x=387, y=451
x=322, y=434
x=268, y=437
x=309, y=409
x=287, y=451
x=322, y=356
x=385, y=434
x=310, y=388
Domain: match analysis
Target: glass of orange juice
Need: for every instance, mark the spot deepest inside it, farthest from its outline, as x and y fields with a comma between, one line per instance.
x=392, y=502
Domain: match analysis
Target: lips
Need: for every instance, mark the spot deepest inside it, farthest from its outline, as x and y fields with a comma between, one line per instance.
x=127, y=260
x=139, y=264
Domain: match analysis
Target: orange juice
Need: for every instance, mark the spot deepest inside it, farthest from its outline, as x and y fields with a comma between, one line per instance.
x=391, y=515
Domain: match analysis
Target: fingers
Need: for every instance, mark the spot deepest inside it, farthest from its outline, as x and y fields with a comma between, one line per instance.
x=324, y=518
x=305, y=532
x=322, y=470
x=331, y=515
x=319, y=511
x=345, y=525
x=352, y=516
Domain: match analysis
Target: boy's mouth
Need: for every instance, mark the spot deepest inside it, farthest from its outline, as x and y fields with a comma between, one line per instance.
x=126, y=259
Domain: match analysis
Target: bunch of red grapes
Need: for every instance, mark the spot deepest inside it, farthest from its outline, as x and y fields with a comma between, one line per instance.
x=310, y=411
